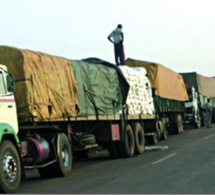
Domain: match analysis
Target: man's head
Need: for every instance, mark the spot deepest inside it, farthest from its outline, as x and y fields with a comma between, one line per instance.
x=119, y=26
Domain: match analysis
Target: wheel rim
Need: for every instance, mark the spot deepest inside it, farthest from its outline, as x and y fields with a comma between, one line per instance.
x=9, y=167
x=65, y=156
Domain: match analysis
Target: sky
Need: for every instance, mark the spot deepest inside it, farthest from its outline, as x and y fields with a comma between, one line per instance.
x=179, y=34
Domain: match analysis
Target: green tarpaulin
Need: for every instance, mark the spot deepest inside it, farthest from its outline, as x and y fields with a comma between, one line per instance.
x=99, y=88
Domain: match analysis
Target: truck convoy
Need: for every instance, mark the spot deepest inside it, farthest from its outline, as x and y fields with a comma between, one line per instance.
x=199, y=89
x=54, y=109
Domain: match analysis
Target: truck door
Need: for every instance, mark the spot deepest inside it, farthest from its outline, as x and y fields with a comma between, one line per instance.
x=7, y=104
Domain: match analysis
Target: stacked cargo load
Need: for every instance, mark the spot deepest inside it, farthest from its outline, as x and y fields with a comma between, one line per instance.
x=169, y=96
x=45, y=86
x=168, y=87
x=139, y=100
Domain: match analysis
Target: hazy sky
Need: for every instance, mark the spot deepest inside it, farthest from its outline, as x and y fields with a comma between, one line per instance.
x=180, y=34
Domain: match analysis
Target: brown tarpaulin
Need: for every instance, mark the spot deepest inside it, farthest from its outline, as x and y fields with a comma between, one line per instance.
x=168, y=84
x=45, y=87
x=204, y=85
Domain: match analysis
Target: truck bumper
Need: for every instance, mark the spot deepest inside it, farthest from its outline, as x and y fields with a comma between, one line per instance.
x=189, y=119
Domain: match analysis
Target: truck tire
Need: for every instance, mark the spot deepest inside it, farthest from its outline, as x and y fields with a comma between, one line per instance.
x=164, y=132
x=126, y=147
x=158, y=129
x=10, y=167
x=63, y=166
x=139, y=138
x=203, y=119
x=213, y=116
x=113, y=149
x=197, y=123
x=178, y=125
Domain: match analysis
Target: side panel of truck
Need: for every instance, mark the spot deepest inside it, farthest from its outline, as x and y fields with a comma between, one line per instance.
x=166, y=105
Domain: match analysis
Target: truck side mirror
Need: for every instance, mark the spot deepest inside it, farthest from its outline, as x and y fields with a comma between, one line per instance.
x=10, y=83
x=196, y=95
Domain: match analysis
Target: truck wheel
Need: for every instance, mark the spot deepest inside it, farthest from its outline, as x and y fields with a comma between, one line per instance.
x=178, y=125
x=213, y=116
x=139, y=138
x=113, y=149
x=203, y=119
x=10, y=167
x=197, y=123
x=158, y=129
x=63, y=166
x=126, y=147
x=164, y=133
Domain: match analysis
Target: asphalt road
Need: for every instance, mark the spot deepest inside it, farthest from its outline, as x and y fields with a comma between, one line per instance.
x=186, y=167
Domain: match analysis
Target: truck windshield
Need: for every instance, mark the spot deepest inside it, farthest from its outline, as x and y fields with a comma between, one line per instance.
x=190, y=96
x=2, y=84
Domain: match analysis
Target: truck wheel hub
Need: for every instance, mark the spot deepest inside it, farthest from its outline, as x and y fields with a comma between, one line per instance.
x=9, y=167
x=65, y=156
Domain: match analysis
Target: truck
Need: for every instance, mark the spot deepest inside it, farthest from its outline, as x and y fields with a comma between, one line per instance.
x=199, y=88
x=169, y=96
x=55, y=109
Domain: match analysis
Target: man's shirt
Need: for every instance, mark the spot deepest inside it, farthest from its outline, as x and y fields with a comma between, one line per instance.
x=116, y=35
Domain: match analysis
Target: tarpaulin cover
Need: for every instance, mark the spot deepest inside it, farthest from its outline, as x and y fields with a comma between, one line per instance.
x=45, y=86
x=99, y=89
x=168, y=84
x=124, y=85
x=202, y=84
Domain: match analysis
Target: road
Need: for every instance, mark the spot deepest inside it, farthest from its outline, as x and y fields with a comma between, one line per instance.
x=186, y=167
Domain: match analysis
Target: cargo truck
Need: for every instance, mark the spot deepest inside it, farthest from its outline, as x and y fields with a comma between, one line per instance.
x=200, y=89
x=169, y=95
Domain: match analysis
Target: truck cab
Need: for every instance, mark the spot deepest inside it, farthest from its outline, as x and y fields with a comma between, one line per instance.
x=8, y=113
x=192, y=108
x=10, y=147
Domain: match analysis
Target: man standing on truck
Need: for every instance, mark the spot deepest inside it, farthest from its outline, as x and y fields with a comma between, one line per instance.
x=117, y=38
x=208, y=111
